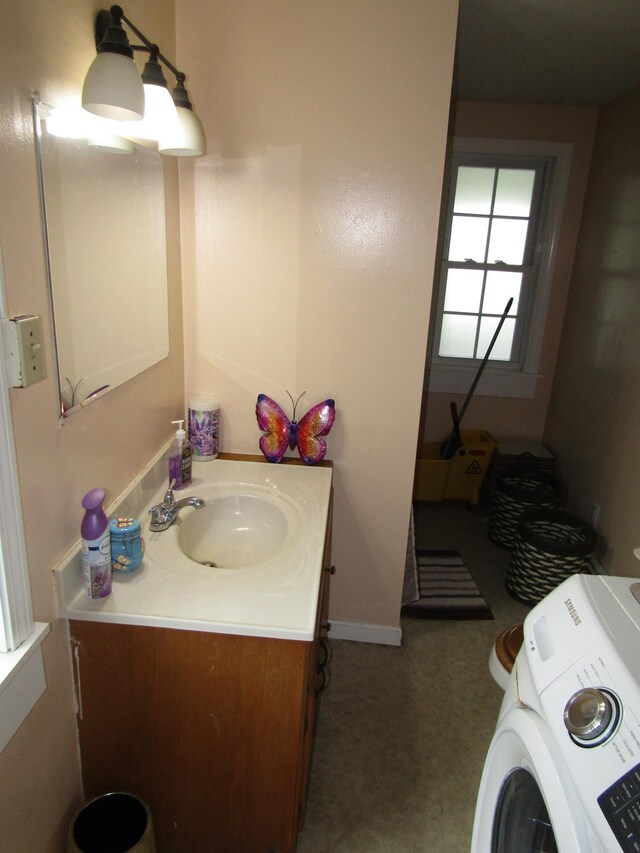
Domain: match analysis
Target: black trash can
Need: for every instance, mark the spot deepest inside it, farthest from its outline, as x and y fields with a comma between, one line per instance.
x=112, y=823
x=550, y=546
x=519, y=488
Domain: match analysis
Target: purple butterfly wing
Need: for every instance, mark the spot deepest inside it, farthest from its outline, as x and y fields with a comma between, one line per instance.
x=276, y=426
x=316, y=423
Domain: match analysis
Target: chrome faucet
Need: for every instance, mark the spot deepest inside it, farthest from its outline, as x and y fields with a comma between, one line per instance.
x=163, y=515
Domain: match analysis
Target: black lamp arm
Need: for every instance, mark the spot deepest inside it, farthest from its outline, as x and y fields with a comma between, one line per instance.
x=116, y=13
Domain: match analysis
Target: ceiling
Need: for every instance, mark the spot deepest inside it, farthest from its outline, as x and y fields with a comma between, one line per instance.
x=579, y=52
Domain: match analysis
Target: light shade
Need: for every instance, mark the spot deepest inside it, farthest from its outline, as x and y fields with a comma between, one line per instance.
x=159, y=108
x=185, y=140
x=111, y=143
x=159, y=116
x=113, y=88
x=159, y=112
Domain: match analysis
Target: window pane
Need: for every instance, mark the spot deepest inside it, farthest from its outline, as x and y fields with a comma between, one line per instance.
x=514, y=192
x=464, y=289
x=468, y=238
x=507, y=241
x=502, y=348
x=500, y=287
x=458, y=336
x=474, y=188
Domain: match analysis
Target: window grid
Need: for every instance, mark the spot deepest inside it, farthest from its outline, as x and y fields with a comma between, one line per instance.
x=525, y=269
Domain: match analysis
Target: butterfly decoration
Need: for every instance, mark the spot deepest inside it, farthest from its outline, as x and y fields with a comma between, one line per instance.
x=306, y=433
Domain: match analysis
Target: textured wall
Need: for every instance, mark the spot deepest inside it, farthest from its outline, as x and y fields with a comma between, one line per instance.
x=309, y=237
x=49, y=49
x=595, y=405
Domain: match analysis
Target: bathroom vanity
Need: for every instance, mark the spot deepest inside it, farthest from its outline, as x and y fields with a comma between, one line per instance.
x=210, y=722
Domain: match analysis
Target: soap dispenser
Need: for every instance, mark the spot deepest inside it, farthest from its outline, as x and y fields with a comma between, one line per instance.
x=180, y=459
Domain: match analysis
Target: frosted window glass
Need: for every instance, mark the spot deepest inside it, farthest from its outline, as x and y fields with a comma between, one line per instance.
x=500, y=287
x=514, y=192
x=464, y=289
x=508, y=237
x=502, y=348
x=458, y=336
x=468, y=238
x=474, y=189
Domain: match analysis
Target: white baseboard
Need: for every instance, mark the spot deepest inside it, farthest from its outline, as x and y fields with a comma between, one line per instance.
x=363, y=632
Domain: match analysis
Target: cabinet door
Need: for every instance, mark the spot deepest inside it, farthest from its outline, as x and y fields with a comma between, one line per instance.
x=207, y=728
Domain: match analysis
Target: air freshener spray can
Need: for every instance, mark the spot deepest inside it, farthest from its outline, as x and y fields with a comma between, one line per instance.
x=204, y=427
x=96, y=546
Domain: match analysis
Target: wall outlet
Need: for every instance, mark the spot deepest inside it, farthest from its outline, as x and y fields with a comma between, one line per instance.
x=23, y=350
x=595, y=515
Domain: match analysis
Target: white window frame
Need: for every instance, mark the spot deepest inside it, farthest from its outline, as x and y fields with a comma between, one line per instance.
x=22, y=679
x=505, y=381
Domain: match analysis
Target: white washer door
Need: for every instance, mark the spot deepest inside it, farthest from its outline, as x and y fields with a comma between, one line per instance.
x=526, y=801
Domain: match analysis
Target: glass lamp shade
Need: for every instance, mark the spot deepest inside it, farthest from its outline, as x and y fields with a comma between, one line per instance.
x=159, y=115
x=111, y=143
x=113, y=88
x=184, y=140
x=159, y=111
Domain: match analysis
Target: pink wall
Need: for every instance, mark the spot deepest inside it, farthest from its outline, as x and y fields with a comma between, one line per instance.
x=49, y=48
x=309, y=238
x=595, y=405
x=511, y=417
x=327, y=128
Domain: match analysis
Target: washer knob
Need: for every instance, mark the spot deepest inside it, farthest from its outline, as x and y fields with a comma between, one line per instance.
x=588, y=713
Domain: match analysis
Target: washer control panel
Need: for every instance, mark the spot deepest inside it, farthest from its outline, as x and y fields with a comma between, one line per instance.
x=620, y=805
x=582, y=677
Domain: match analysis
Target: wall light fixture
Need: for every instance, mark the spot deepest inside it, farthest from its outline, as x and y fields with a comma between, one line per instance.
x=114, y=89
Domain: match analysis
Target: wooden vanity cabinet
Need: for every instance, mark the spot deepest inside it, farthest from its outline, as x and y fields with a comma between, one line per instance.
x=214, y=731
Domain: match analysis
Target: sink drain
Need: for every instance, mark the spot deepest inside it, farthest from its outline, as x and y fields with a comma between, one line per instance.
x=209, y=563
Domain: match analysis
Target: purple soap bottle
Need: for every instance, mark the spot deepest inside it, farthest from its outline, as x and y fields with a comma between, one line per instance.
x=180, y=459
x=96, y=546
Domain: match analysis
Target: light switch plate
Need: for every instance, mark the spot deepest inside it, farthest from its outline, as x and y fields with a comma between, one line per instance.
x=23, y=350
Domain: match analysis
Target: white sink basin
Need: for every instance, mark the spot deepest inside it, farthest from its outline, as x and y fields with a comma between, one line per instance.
x=257, y=518
x=232, y=532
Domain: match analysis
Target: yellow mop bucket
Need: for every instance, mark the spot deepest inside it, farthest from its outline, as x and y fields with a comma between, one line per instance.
x=459, y=478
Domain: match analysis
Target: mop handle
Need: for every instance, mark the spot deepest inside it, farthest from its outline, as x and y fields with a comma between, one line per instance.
x=484, y=361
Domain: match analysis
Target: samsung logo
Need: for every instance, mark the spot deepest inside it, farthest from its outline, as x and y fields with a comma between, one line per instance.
x=573, y=612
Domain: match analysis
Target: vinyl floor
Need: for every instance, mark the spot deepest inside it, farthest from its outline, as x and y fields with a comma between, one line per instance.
x=403, y=731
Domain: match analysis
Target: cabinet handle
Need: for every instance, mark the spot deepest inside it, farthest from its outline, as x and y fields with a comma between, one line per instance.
x=321, y=682
x=326, y=627
x=323, y=654
x=331, y=570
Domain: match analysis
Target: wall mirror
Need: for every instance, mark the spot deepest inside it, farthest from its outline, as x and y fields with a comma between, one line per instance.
x=105, y=237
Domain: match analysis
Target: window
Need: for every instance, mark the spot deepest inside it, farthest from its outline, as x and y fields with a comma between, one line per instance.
x=500, y=223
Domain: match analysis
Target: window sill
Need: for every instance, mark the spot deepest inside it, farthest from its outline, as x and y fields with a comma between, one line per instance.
x=22, y=682
x=445, y=379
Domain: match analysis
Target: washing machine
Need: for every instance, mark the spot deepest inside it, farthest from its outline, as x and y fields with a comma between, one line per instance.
x=563, y=768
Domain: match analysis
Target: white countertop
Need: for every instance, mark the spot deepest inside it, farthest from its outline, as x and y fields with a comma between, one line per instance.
x=276, y=598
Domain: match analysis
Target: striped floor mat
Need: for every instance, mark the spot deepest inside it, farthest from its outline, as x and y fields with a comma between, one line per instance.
x=446, y=588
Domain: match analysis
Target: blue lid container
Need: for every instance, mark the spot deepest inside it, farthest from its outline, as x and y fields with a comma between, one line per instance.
x=127, y=544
